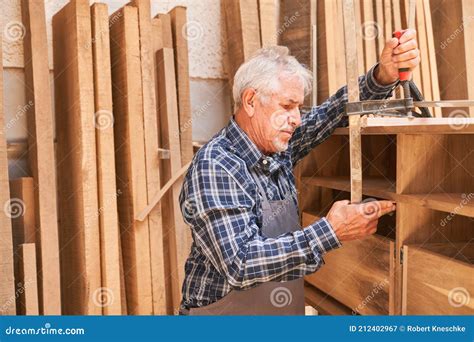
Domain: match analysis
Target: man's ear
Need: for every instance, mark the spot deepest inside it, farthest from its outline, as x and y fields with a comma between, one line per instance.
x=248, y=101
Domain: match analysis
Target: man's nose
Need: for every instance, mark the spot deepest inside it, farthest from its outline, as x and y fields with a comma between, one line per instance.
x=295, y=117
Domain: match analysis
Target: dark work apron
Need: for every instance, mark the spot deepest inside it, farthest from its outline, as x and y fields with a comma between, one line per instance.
x=270, y=298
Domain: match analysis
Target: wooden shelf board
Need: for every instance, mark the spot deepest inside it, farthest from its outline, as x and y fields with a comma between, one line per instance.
x=457, y=203
x=377, y=187
x=375, y=126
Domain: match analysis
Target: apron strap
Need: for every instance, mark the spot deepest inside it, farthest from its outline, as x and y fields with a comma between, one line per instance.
x=260, y=186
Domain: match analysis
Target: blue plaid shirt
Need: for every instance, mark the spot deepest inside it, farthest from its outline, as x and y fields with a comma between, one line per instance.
x=219, y=202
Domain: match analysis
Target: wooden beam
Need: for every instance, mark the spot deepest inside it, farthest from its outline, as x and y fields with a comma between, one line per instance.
x=109, y=297
x=180, y=45
x=267, y=10
x=130, y=158
x=152, y=157
x=353, y=96
x=41, y=154
x=178, y=235
x=7, y=285
x=77, y=167
x=28, y=287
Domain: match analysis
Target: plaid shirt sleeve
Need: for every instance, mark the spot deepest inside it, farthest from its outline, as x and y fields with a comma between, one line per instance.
x=225, y=229
x=318, y=124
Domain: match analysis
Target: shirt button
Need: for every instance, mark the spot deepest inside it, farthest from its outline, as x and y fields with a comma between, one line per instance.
x=265, y=162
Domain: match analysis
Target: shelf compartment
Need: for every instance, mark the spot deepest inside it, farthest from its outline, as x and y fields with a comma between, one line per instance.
x=359, y=274
x=324, y=304
x=439, y=276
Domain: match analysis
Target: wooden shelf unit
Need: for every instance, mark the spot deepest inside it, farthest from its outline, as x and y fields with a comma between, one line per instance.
x=421, y=259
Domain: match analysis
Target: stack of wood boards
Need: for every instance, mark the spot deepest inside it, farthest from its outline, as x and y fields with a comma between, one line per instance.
x=123, y=131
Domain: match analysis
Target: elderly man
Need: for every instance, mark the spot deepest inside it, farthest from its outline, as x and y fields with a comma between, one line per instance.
x=249, y=252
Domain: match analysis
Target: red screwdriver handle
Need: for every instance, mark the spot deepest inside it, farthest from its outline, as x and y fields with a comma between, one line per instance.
x=403, y=73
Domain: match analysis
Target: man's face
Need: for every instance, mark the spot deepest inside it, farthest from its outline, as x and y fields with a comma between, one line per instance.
x=278, y=116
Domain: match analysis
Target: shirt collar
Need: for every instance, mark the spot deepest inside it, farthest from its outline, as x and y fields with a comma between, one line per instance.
x=248, y=151
x=242, y=145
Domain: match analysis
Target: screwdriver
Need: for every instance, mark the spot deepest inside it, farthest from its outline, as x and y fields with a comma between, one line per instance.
x=404, y=76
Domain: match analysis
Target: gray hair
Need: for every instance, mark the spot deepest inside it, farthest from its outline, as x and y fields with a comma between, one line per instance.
x=262, y=72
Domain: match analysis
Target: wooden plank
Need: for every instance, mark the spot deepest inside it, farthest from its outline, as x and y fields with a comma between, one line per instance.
x=423, y=47
x=130, y=158
x=298, y=32
x=178, y=235
x=359, y=38
x=23, y=222
x=468, y=15
x=364, y=267
x=163, y=20
x=441, y=283
x=370, y=32
x=353, y=96
x=243, y=32
x=41, y=154
x=267, y=10
x=432, y=56
x=28, y=295
x=77, y=167
x=7, y=285
x=180, y=45
x=152, y=160
x=107, y=189
x=379, y=17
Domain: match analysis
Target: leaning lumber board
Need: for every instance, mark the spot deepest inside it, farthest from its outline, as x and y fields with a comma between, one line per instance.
x=23, y=222
x=297, y=26
x=178, y=234
x=41, y=155
x=267, y=10
x=77, y=167
x=130, y=158
x=152, y=158
x=423, y=44
x=468, y=15
x=24, y=229
x=109, y=296
x=180, y=44
x=432, y=56
x=163, y=20
x=7, y=285
x=243, y=32
x=370, y=32
x=28, y=291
